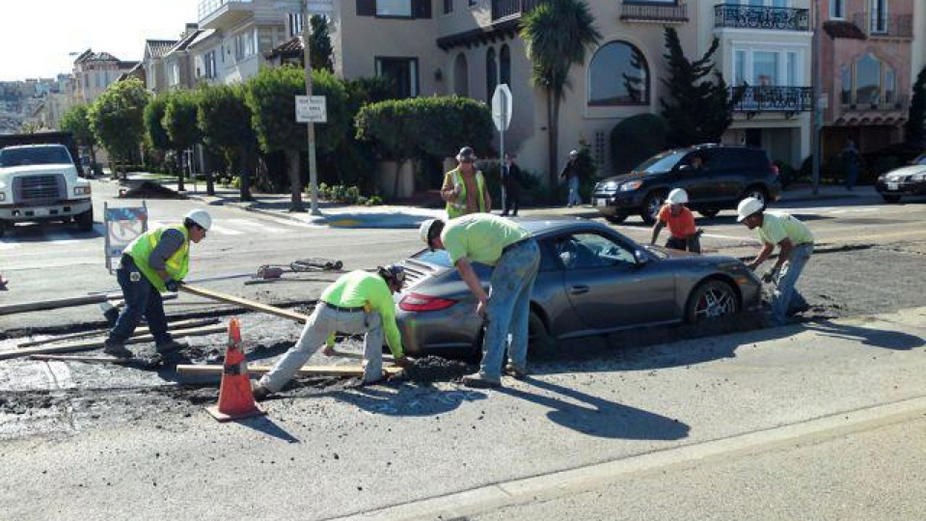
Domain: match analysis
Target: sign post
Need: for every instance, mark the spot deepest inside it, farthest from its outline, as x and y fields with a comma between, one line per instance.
x=501, y=115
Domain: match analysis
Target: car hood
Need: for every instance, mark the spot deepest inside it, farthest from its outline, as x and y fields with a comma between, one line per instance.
x=623, y=178
x=900, y=173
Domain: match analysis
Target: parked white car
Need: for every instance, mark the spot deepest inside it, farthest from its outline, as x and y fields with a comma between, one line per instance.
x=40, y=183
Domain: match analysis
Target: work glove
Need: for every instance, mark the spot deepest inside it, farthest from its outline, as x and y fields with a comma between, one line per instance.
x=770, y=276
x=172, y=285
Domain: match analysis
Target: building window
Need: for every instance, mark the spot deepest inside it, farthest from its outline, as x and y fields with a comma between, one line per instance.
x=846, y=79
x=792, y=79
x=448, y=6
x=868, y=80
x=295, y=24
x=403, y=72
x=837, y=9
x=491, y=73
x=209, y=62
x=245, y=45
x=890, y=86
x=173, y=74
x=878, y=16
x=739, y=68
x=765, y=68
x=618, y=75
x=461, y=76
x=504, y=65
x=473, y=3
x=394, y=8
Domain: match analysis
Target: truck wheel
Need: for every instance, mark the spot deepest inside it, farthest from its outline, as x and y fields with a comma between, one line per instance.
x=84, y=220
x=617, y=218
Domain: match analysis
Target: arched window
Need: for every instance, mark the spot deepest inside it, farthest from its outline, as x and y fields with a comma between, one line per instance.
x=491, y=73
x=867, y=79
x=461, y=76
x=890, y=85
x=504, y=65
x=618, y=75
x=846, y=78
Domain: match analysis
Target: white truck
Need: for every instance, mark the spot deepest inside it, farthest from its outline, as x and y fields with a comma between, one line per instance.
x=39, y=183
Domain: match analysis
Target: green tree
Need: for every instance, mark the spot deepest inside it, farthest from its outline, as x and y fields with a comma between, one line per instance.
x=915, y=128
x=635, y=139
x=271, y=98
x=225, y=122
x=77, y=123
x=698, y=110
x=116, y=118
x=322, y=54
x=155, y=133
x=182, y=128
x=557, y=34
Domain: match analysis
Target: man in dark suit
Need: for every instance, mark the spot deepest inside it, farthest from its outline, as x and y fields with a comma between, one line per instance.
x=511, y=181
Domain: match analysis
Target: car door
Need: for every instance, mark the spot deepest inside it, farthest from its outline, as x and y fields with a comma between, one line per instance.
x=699, y=183
x=608, y=286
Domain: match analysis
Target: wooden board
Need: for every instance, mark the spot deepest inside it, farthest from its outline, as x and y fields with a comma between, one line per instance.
x=96, y=344
x=141, y=330
x=307, y=370
x=41, y=305
x=245, y=303
x=144, y=363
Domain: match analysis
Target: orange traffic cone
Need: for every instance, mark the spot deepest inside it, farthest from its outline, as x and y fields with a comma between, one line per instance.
x=236, y=401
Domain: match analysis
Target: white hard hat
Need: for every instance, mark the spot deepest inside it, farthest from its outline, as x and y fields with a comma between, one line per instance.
x=747, y=207
x=678, y=196
x=200, y=217
x=425, y=230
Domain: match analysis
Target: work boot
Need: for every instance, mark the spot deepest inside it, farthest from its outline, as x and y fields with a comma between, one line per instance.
x=117, y=349
x=481, y=381
x=171, y=346
x=260, y=392
x=516, y=371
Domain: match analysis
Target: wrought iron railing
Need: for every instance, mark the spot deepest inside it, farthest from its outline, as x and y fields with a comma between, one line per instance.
x=755, y=17
x=772, y=98
x=506, y=8
x=207, y=7
x=874, y=24
x=653, y=13
x=891, y=102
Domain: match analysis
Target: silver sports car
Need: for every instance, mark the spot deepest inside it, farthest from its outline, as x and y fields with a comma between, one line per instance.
x=592, y=280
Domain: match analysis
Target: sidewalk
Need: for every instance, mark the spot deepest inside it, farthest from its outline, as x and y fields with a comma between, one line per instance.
x=340, y=215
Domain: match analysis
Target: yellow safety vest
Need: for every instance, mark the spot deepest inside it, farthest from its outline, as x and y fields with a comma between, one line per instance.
x=457, y=208
x=176, y=266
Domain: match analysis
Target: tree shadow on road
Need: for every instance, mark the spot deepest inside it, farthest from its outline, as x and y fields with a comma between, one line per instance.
x=868, y=336
x=596, y=416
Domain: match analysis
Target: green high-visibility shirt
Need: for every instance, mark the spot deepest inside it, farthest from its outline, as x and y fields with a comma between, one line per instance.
x=368, y=290
x=776, y=228
x=480, y=237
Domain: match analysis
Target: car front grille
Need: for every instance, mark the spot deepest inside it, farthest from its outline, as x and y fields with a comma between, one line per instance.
x=39, y=188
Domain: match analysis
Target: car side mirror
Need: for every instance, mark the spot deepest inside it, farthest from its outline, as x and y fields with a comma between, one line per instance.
x=685, y=168
x=641, y=257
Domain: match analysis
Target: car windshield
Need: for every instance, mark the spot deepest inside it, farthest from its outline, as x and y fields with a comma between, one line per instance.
x=661, y=163
x=920, y=160
x=34, y=156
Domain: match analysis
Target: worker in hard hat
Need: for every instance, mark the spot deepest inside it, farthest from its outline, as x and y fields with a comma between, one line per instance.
x=155, y=262
x=795, y=242
x=358, y=302
x=465, y=189
x=681, y=223
x=515, y=257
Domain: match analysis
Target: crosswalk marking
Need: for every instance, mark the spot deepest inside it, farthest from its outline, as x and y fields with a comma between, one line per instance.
x=221, y=230
x=248, y=223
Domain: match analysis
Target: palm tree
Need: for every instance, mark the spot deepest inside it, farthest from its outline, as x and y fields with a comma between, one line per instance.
x=557, y=33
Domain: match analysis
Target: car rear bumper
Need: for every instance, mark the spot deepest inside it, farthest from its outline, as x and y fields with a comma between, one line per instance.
x=48, y=212
x=454, y=330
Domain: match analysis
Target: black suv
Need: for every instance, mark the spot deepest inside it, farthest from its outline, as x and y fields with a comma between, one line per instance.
x=727, y=175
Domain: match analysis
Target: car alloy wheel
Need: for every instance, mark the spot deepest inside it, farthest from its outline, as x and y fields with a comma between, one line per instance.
x=712, y=299
x=651, y=206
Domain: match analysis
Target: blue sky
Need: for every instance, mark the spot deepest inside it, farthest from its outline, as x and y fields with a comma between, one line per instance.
x=36, y=36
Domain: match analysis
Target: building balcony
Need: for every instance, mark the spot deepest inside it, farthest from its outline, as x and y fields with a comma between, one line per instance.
x=735, y=16
x=772, y=98
x=645, y=12
x=512, y=8
x=210, y=10
x=875, y=26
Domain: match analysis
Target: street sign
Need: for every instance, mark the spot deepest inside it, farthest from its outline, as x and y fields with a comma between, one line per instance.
x=311, y=109
x=123, y=225
x=501, y=107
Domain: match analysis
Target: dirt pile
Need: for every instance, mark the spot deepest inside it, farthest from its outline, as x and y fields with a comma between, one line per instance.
x=435, y=369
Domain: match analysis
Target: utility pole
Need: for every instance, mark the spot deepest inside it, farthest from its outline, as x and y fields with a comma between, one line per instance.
x=816, y=110
x=307, y=56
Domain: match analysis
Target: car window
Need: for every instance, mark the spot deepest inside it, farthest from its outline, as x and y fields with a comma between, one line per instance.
x=582, y=251
x=920, y=160
x=661, y=163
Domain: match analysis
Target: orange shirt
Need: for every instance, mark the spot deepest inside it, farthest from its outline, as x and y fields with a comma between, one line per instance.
x=681, y=225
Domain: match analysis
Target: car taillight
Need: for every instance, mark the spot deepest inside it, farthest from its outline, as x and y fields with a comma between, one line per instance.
x=419, y=302
x=774, y=168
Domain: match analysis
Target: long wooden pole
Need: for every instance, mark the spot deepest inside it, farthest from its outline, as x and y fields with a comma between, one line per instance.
x=306, y=370
x=245, y=303
x=42, y=305
x=141, y=330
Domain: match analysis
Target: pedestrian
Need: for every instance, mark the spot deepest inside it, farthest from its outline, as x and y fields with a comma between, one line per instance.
x=358, y=302
x=795, y=242
x=511, y=181
x=571, y=174
x=155, y=262
x=3, y=283
x=515, y=257
x=681, y=223
x=850, y=160
x=464, y=188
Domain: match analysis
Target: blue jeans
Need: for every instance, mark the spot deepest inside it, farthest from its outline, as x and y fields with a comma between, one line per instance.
x=786, y=296
x=141, y=299
x=508, y=309
x=851, y=175
x=574, y=198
